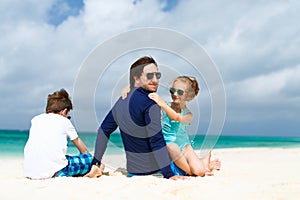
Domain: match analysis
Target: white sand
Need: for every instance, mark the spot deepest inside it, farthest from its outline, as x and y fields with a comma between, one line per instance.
x=251, y=173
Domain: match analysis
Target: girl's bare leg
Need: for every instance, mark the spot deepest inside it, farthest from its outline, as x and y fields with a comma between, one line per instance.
x=199, y=167
x=178, y=158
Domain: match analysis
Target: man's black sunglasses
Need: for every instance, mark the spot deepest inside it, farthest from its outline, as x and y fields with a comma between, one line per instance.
x=178, y=91
x=151, y=75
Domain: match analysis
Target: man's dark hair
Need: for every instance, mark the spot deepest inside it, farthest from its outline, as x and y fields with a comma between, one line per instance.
x=137, y=68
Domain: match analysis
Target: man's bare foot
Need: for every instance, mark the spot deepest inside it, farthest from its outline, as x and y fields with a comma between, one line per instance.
x=102, y=167
x=95, y=171
x=215, y=165
x=175, y=178
x=209, y=173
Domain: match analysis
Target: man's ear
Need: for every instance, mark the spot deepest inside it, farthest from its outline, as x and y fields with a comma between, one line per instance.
x=136, y=81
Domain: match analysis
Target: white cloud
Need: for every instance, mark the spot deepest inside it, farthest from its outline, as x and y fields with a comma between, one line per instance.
x=267, y=87
x=254, y=44
x=271, y=98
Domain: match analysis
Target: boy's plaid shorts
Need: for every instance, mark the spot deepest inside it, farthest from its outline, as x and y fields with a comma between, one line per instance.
x=78, y=165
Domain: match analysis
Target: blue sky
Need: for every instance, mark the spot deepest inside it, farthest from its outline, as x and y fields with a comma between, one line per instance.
x=62, y=9
x=254, y=44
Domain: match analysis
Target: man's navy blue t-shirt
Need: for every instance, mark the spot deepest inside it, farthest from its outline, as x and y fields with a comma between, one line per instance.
x=139, y=121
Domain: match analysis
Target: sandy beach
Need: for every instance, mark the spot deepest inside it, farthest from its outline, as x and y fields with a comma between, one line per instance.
x=247, y=173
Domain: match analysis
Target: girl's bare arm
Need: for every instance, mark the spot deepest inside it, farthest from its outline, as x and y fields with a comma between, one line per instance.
x=170, y=112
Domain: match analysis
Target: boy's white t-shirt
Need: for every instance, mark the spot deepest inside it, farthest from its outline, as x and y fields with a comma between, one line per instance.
x=46, y=148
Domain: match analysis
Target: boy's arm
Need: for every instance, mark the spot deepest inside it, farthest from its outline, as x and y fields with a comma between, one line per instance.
x=80, y=145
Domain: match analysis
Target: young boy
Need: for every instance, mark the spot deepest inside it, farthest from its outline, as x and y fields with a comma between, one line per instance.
x=45, y=151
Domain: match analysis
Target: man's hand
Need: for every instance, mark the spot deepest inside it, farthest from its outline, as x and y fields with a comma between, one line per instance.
x=95, y=171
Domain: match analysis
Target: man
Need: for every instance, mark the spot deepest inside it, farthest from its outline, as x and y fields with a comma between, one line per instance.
x=139, y=121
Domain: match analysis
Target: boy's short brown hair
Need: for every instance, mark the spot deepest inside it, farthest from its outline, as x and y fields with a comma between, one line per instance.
x=58, y=101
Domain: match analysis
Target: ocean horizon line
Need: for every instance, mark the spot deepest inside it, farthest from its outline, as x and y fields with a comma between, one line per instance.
x=221, y=135
x=12, y=142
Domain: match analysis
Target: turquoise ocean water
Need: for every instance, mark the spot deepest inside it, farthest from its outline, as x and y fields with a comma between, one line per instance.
x=12, y=142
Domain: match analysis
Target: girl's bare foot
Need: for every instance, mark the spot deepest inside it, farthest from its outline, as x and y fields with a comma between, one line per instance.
x=215, y=165
x=206, y=165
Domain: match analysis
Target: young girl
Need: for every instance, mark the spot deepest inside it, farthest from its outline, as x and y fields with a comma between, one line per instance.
x=45, y=151
x=176, y=118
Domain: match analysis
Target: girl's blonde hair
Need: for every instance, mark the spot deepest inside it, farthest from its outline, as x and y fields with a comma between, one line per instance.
x=193, y=86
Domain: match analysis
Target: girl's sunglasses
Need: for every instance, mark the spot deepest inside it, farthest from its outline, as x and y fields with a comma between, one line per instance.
x=178, y=91
x=151, y=75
